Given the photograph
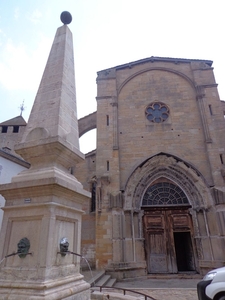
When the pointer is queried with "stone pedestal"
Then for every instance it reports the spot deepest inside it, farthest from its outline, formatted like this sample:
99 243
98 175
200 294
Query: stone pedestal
44 210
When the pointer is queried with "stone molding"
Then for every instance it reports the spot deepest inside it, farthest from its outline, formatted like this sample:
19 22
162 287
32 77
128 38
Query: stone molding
163 166
114 104
156 69
200 97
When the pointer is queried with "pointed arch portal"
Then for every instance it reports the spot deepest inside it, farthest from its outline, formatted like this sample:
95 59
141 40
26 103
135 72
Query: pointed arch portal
167 228
167 192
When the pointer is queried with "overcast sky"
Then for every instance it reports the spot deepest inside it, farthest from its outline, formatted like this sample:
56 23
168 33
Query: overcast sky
106 33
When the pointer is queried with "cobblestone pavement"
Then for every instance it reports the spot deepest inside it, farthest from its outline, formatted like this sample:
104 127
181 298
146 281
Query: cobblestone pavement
162 294
164 289
171 294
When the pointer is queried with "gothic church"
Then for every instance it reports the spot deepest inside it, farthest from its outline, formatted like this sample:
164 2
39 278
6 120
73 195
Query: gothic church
157 175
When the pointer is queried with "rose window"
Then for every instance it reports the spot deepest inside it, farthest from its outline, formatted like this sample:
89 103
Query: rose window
157 112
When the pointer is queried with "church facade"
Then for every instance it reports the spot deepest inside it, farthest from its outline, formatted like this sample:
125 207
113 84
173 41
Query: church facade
157 175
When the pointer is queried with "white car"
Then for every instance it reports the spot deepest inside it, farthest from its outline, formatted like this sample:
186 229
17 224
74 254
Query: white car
212 286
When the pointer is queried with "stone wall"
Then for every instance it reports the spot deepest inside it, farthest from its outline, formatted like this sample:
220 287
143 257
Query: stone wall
187 148
194 133
85 172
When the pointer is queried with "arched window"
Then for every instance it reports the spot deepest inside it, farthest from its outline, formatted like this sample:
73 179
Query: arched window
163 194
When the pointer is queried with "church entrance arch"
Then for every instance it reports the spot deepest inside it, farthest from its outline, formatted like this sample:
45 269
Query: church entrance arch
167 222
168 229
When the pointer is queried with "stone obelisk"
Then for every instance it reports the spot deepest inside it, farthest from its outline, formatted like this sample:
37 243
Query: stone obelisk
44 203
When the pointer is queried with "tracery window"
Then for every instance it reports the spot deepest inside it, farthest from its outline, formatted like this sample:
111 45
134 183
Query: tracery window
163 194
157 112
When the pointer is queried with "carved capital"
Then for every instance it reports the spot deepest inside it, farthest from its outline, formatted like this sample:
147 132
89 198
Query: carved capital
93 180
116 201
105 179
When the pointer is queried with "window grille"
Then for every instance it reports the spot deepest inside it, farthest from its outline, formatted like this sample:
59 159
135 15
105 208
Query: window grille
163 194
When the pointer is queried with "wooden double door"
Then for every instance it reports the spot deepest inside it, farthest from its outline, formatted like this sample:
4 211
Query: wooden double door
168 240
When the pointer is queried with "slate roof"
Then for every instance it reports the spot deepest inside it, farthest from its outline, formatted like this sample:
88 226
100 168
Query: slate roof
14 158
17 121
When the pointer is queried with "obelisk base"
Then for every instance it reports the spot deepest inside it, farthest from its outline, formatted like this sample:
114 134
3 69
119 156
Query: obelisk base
71 288
43 214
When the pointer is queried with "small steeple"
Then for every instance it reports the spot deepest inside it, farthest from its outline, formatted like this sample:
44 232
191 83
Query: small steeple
22 108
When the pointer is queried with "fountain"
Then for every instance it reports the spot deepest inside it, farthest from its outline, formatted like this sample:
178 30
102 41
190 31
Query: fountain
64 245
51 145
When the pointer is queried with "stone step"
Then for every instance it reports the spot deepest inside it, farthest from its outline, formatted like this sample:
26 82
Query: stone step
186 275
96 278
103 280
111 282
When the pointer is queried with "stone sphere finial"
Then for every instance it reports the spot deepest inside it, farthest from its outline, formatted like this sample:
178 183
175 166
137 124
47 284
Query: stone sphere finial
66 17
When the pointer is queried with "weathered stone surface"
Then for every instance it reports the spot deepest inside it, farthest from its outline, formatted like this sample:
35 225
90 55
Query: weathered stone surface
44 203
187 149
